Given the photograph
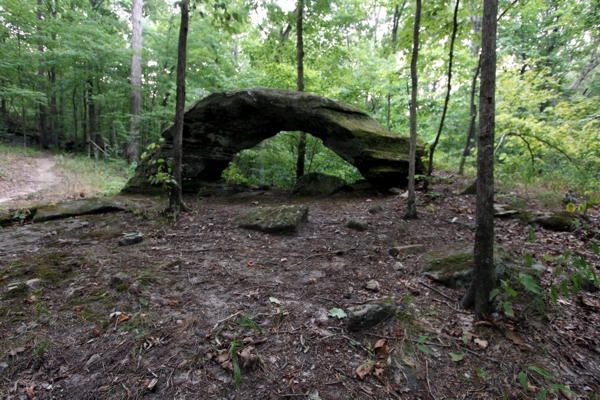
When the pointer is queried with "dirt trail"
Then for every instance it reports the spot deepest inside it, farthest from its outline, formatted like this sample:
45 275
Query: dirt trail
23 176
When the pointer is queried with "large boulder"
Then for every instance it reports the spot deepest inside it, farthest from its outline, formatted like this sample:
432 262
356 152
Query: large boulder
315 184
222 124
284 220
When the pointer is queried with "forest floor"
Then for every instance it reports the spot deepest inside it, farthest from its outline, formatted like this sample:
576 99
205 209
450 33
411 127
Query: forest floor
160 319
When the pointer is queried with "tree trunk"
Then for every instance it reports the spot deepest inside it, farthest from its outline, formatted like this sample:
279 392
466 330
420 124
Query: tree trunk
75 122
483 269
85 145
133 149
411 208
446 100
589 68
300 87
395 24
471 133
175 199
53 110
93 142
42 86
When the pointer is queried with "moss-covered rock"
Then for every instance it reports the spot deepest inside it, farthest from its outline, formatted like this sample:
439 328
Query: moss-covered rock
282 220
222 124
454 267
316 184
368 315
74 208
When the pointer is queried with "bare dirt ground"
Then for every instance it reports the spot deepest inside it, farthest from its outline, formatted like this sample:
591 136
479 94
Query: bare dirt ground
24 176
160 319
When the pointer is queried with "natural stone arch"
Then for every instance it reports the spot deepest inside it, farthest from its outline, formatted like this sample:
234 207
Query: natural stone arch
224 123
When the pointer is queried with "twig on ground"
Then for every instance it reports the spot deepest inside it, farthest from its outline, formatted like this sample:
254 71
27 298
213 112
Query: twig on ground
324 254
428 385
226 319
437 291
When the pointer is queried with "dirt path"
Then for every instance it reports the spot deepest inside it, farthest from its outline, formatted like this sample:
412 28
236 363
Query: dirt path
22 176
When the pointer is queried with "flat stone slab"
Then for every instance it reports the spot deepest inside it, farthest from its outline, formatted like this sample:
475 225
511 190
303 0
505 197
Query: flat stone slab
284 220
409 250
75 208
368 315
315 184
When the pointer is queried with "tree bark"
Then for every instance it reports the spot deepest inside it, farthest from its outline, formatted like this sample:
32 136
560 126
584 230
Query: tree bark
42 86
300 86
446 100
411 208
471 133
395 24
93 143
135 106
589 68
175 199
483 269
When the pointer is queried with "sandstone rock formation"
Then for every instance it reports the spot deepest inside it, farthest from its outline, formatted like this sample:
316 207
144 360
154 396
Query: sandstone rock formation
224 123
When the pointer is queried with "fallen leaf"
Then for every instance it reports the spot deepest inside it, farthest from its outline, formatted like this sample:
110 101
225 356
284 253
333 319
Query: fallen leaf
250 263
481 343
30 392
103 389
379 373
152 384
456 357
248 356
337 312
381 348
364 370
173 303
123 318
531 388
589 303
79 308
515 337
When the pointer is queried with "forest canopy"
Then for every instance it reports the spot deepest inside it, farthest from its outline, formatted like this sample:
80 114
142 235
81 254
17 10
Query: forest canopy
66 77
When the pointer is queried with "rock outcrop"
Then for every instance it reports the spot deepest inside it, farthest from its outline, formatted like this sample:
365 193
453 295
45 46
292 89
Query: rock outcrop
224 123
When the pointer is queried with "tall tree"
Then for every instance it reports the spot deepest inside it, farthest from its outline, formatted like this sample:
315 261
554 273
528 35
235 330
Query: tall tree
300 86
44 142
175 199
446 100
135 106
411 207
478 294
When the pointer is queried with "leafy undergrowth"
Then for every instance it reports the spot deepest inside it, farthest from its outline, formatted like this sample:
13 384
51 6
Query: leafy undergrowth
202 309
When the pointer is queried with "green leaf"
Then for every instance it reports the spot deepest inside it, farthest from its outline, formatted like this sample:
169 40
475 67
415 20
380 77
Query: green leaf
143 301
510 291
274 300
542 372
508 309
595 247
564 288
523 380
494 293
554 293
425 349
570 207
528 260
337 312
456 357
530 284
531 234
561 387
542 395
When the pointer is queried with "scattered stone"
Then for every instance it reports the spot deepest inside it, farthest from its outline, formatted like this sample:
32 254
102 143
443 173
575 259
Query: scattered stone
222 124
402 227
75 208
284 220
396 190
372 285
73 292
471 189
370 314
34 284
376 209
131 238
93 359
119 278
503 210
398 266
559 221
382 237
357 224
317 184
454 267
410 250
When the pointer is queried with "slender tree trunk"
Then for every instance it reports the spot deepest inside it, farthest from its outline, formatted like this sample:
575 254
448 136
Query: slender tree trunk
483 269
133 149
471 133
42 86
589 68
411 208
53 110
395 24
300 87
115 143
85 145
75 121
446 100
93 143
175 200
